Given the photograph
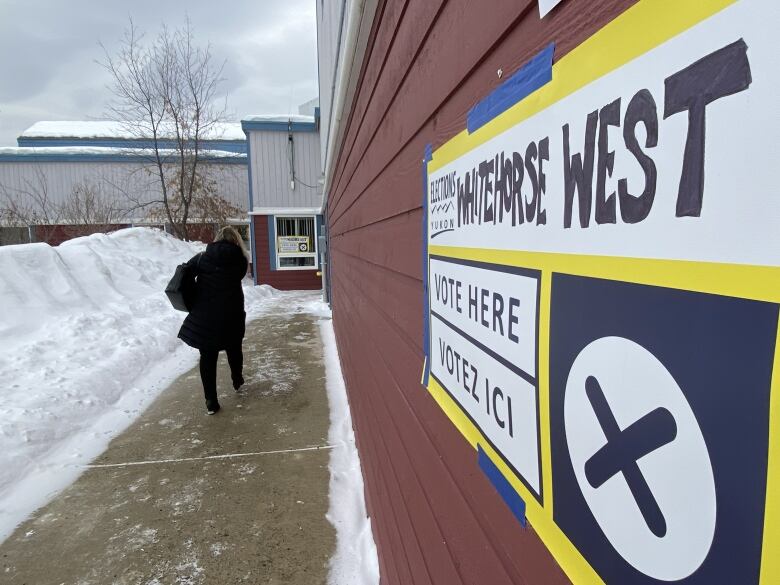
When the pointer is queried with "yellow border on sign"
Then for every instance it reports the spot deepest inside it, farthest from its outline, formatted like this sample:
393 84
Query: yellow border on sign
770 559
642 27
760 283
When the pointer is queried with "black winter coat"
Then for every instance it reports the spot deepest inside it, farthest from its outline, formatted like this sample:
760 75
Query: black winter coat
216 319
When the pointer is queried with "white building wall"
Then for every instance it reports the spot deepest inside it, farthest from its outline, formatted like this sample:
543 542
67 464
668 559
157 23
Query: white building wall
272 172
115 179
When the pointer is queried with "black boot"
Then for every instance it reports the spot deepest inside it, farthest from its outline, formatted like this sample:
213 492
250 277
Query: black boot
212 407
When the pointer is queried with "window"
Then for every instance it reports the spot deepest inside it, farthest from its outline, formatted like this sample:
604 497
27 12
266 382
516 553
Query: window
296 243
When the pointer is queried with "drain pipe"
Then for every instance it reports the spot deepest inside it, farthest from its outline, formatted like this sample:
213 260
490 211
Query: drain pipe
357 8
338 112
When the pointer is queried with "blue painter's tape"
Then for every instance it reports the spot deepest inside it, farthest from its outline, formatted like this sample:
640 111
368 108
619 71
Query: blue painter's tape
502 485
529 78
426 308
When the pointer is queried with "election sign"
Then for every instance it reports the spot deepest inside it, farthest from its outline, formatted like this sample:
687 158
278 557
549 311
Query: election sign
602 295
292 244
484 332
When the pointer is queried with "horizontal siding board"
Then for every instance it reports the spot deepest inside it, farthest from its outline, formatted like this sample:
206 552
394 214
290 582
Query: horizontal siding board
442 64
401 481
435 543
370 243
472 85
412 30
398 293
371 467
395 191
426 68
389 14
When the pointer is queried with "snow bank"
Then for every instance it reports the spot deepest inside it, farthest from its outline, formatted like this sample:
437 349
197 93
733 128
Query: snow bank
355 561
87 341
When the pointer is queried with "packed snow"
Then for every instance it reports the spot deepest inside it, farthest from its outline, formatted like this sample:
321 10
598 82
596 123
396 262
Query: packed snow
87 341
38 151
115 129
297 118
355 561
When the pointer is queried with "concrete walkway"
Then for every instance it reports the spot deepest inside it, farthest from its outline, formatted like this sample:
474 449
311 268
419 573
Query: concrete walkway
181 497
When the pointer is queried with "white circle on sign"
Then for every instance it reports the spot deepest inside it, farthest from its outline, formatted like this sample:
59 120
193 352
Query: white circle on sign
303 247
676 475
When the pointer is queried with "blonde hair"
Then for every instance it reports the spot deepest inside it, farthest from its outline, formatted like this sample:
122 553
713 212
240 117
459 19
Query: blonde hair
230 234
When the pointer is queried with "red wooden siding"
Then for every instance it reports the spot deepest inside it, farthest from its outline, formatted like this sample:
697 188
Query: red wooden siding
279 279
54 235
436 517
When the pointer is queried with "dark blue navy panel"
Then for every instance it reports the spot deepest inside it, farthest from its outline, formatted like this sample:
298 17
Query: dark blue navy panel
426 304
530 77
719 350
503 487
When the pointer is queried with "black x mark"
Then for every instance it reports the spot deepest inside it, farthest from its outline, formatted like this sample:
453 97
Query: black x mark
623 450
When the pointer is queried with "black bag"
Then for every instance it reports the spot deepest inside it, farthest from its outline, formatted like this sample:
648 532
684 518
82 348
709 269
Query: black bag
181 286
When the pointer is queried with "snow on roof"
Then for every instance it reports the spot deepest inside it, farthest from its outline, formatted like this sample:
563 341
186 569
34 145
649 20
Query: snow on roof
297 118
34 151
114 129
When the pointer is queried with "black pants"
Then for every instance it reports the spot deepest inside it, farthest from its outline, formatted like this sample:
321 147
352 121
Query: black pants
208 368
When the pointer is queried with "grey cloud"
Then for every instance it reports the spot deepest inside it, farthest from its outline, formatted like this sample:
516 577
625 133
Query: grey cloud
48 51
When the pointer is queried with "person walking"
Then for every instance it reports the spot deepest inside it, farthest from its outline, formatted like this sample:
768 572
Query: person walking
216 319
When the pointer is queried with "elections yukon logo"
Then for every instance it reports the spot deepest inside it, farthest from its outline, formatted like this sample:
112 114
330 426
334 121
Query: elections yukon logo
659 419
441 205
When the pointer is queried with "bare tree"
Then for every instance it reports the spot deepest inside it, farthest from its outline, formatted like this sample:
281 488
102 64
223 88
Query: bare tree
166 92
87 204
30 205
86 209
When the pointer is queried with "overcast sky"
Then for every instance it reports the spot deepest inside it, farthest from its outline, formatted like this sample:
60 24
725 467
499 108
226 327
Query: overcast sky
48 51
